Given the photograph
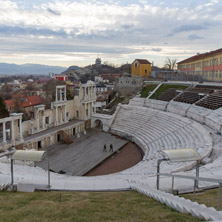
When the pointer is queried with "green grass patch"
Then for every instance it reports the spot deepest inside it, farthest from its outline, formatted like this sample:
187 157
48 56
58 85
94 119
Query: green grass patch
85 206
208 197
165 87
149 88
116 101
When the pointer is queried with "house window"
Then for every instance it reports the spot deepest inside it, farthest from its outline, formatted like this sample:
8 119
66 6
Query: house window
87 112
136 64
47 120
77 114
73 131
145 70
32 115
67 114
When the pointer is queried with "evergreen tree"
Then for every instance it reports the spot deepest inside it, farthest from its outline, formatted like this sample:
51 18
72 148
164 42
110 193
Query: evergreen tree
3 110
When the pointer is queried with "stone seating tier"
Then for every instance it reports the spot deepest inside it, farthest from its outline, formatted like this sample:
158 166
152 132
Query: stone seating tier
168 95
213 101
160 131
188 97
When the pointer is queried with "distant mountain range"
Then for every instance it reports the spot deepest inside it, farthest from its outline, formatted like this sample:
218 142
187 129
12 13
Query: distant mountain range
13 69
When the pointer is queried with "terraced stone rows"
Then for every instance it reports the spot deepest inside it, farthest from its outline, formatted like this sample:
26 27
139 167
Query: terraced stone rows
161 131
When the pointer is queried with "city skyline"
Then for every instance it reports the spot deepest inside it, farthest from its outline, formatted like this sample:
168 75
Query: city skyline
64 33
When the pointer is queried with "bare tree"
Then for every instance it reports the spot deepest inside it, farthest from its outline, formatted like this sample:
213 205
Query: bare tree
170 63
18 101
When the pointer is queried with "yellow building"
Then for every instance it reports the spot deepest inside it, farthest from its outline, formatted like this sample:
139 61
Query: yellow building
141 68
207 65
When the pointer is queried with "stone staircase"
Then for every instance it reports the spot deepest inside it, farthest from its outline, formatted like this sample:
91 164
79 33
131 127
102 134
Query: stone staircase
4 187
154 90
22 187
65 137
179 203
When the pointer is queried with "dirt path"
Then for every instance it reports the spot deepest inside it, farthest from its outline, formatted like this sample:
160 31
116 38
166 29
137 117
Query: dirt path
128 156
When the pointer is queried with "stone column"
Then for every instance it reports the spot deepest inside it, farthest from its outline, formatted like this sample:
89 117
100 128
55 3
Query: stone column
20 130
51 140
61 114
56 117
4 133
56 94
12 132
85 93
84 111
65 119
60 94
37 119
65 94
43 120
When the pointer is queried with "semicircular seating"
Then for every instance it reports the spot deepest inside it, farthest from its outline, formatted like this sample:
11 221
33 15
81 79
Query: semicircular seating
154 131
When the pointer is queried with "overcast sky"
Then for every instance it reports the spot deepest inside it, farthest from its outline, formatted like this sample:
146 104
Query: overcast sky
64 32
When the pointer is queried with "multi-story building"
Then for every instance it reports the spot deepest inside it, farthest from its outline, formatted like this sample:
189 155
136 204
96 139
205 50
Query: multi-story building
61 77
207 65
141 68
48 126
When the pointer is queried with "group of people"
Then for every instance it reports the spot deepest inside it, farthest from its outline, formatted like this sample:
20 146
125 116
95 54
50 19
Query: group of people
110 148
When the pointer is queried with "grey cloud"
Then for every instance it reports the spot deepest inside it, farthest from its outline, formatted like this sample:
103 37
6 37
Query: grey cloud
55 47
16 30
194 37
156 50
188 28
127 26
53 12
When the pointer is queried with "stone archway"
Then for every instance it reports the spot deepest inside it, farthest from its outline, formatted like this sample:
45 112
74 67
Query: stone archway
101 120
98 124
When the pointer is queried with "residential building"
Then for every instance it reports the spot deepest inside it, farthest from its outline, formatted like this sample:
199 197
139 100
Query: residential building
48 126
111 77
141 68
61 77
101 101
207 65
24 104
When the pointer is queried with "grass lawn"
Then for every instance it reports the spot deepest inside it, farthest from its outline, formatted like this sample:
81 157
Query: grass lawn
84 206
208 197
165 87
117 100
145 91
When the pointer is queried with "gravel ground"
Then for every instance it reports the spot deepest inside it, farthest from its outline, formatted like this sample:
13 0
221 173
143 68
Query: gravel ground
128 156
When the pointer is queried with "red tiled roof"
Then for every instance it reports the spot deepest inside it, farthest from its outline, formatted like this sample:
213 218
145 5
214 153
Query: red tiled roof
201 56
32 101
29 101
142 61
9 102
111 74
60 74
102 98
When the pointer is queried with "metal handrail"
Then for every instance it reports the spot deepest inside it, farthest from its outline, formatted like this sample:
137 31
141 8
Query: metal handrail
196 179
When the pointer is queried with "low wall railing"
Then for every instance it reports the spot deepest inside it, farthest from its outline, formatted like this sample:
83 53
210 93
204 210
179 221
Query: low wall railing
196 181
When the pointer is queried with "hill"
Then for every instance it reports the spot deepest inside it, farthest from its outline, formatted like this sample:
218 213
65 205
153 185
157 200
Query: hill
88 72
12 69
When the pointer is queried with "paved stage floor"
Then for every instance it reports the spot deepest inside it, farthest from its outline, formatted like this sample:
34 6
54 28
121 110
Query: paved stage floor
83 154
